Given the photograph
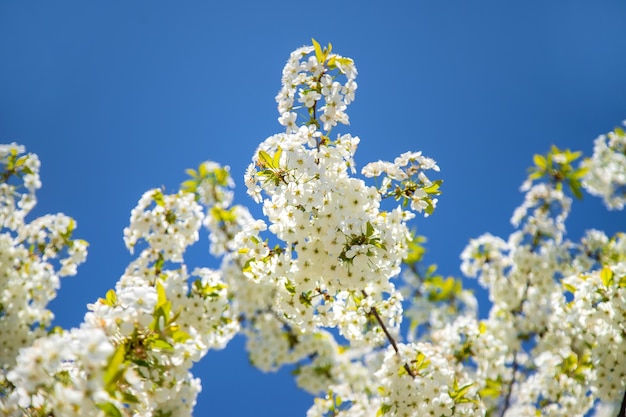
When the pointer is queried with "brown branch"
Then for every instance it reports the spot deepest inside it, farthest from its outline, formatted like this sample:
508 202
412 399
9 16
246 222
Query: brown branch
517 312
507 399
392 341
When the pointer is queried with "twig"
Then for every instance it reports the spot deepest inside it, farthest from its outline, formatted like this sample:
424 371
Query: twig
374 312
507 399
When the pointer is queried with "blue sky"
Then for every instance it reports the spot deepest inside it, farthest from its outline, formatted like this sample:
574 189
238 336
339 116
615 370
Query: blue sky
119 97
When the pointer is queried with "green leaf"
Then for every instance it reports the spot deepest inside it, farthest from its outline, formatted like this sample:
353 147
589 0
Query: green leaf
265 160
247 266
416 249
492 389
54 330
189 186
459 393
223 215
291 289
419 363
606 275
129 398
575 188
384 409
572 156
332 62
433 188
161 294
110 298
157 197
570 288
341 62
203 171
140 362
109 409
160 344
21 161
276 159
540 161
482 327
579 173
318 52
305 299
221 176
369 229
180 336
115 367
162 309
158 264
430 209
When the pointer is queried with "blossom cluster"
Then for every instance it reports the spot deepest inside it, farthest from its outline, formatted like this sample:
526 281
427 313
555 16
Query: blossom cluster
315 284
598 312
310 87
62 374
336 249
33 255
432 388
607 169
133 352
556 325
405 179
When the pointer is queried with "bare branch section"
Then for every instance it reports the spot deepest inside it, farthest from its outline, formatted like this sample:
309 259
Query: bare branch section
391 339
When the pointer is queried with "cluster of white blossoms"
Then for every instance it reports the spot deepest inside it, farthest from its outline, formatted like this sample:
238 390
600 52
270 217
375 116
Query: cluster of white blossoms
313 285
62 374
33 255
543 350
310 88
431 389
331 258
607 169
133 353
406 179
598 312
336 250
160 317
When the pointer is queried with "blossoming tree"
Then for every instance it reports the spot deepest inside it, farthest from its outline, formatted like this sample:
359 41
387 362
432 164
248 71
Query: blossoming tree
323 283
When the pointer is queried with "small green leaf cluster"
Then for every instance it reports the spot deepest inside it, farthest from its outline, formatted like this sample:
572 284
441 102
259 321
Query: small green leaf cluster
217 176
558 169
323 55
459 393
211 184
15 164
271 169
137 350
430 290
366 239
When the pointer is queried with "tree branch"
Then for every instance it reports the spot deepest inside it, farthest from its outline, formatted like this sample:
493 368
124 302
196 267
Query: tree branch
507 399
392 341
